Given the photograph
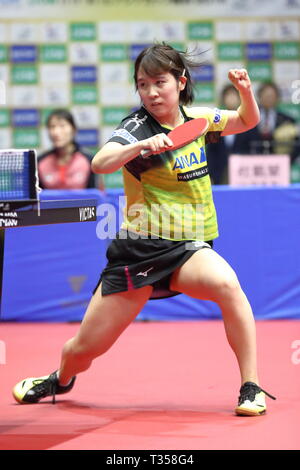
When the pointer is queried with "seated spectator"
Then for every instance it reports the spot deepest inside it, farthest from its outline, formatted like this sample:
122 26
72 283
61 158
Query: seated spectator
276 133
66 165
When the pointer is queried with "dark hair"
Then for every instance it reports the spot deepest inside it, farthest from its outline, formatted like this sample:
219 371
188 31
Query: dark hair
162 57
62 114
265 85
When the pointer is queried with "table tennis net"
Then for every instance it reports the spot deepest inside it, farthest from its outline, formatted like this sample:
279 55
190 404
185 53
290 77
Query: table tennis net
18 175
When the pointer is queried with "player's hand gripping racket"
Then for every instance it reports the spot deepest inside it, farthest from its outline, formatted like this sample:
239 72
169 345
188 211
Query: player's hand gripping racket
183 135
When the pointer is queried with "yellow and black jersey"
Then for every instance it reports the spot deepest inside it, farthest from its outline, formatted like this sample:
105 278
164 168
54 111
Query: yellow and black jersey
169 195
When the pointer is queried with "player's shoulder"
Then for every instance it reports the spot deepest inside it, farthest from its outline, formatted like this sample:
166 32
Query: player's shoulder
133 121
213 115
199 111
133 127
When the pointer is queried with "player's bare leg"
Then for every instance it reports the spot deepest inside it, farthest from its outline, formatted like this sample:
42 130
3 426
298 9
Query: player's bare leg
206 275
105 319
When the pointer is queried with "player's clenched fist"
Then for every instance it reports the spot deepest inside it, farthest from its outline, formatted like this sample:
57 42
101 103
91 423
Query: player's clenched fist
240 79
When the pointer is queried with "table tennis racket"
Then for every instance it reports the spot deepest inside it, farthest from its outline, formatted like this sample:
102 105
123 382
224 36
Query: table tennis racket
183 134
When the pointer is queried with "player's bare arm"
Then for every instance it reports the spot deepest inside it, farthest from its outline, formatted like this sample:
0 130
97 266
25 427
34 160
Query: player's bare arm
247 115
113 155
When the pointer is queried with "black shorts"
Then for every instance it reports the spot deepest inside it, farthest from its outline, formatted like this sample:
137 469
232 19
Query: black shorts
135 263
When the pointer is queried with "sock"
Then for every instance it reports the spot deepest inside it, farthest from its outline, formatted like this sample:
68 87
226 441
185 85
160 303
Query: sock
62 385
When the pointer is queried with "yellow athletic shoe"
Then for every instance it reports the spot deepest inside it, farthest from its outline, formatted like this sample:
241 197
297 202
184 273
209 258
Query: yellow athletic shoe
252 400
32 390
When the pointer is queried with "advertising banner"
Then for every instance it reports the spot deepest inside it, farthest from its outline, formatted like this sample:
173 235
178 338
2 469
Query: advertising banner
79 54
268 170
143 9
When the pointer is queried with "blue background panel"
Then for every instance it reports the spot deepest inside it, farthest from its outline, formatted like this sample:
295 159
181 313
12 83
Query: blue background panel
50 271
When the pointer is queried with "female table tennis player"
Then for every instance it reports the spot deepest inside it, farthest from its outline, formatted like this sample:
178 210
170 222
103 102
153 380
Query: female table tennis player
145 260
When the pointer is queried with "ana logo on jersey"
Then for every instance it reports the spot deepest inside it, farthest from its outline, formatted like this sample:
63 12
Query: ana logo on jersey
187 161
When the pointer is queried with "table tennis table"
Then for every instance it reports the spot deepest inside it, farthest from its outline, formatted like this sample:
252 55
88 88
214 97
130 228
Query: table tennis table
14 214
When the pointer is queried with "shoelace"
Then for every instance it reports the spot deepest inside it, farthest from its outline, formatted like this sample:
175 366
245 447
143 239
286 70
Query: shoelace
45 387
249 390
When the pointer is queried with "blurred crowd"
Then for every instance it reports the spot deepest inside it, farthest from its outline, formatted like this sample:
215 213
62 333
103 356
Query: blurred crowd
277 133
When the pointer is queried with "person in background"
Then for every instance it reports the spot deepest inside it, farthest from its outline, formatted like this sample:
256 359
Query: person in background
276 133
218 153
66 165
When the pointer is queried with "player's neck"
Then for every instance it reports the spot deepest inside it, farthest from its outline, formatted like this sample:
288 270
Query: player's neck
172 119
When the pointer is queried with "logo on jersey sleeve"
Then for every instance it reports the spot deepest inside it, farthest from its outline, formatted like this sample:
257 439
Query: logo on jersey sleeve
130 126
217 117
125 135
136 121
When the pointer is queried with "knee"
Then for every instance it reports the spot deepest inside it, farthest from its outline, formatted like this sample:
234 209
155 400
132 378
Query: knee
227 289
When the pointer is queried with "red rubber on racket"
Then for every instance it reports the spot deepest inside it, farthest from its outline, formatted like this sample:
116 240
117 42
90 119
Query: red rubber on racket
183 135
